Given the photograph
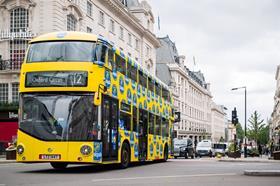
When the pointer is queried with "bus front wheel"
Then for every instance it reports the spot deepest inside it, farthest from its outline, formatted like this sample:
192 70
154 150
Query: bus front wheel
59 165
125 156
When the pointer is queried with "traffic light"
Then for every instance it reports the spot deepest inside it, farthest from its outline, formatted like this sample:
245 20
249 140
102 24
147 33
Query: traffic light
234 118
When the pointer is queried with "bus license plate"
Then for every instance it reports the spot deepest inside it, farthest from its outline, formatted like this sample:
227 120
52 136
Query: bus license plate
50 156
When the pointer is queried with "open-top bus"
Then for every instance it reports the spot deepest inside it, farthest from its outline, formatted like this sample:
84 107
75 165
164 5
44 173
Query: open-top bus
83 101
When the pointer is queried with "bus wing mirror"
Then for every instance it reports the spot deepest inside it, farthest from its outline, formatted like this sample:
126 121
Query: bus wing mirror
97 98
177 117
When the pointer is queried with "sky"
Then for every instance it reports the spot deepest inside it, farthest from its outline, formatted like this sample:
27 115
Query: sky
235 43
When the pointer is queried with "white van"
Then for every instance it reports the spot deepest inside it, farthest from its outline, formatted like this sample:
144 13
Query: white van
204 148
219 148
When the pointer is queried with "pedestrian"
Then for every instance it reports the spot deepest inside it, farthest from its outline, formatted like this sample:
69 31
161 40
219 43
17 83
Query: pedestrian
260 150
271 149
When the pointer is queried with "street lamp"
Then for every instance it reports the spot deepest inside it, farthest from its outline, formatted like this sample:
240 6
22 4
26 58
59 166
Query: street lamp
245 131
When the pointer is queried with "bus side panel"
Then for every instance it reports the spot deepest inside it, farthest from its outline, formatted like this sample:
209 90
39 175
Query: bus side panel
134 146
151 148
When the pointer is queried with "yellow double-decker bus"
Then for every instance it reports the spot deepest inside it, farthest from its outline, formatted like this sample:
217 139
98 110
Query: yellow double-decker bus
83 101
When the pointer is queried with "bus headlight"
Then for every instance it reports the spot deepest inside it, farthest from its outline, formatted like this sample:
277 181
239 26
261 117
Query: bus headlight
86 150
20 149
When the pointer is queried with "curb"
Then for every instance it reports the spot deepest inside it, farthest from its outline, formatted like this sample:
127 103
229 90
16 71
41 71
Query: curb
250 161
7 161
262 172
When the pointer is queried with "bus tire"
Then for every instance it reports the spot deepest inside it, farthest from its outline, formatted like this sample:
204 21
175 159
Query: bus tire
125 156
165 155
59 165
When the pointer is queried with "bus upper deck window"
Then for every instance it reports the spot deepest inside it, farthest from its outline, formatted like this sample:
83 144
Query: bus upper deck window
111 63
100 53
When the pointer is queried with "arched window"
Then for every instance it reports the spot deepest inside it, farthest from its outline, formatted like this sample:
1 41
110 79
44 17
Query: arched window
71 23
19 20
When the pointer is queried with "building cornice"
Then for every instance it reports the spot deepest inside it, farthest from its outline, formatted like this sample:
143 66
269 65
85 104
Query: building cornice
176 67
218 110
132 20
19 3
195 84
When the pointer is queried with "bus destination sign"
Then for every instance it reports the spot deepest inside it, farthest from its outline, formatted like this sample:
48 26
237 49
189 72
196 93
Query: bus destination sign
56 79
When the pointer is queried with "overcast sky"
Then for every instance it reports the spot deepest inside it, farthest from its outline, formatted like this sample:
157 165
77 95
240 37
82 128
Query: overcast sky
235 43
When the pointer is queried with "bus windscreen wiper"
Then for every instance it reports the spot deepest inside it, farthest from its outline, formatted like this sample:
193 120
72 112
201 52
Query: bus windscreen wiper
59 58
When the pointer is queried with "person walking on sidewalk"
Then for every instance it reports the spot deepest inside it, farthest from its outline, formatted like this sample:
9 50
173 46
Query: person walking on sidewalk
260 149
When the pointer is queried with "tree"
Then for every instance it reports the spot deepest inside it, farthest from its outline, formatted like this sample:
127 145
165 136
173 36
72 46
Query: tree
264 135
255 127
239 132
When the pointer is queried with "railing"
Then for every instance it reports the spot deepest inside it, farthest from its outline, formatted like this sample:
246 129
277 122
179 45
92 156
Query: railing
10 64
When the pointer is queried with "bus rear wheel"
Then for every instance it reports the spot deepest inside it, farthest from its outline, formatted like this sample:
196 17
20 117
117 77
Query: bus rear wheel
125 156
59 165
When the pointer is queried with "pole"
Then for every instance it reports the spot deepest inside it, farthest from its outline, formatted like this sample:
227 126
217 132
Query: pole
245 131
235 144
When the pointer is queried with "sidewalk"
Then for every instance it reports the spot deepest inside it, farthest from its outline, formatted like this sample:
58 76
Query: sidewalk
263 159
3 160
262 172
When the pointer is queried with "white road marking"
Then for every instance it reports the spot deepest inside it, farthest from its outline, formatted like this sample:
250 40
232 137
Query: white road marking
162 177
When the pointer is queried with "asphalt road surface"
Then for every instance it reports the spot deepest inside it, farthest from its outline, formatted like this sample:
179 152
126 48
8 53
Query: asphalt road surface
198 172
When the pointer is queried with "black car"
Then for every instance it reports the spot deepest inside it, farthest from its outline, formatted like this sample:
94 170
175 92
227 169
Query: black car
183 148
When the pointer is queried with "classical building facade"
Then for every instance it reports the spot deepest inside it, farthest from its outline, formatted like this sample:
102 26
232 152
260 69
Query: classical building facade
126 23
218 126
230 132
192 96
274 124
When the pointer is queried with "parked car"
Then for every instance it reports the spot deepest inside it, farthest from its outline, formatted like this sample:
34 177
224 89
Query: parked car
204 148
183 148
219 148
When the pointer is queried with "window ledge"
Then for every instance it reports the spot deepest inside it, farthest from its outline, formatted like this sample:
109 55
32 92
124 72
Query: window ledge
89 16
112 33
102 25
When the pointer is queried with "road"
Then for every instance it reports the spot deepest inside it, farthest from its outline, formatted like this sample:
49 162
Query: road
198 172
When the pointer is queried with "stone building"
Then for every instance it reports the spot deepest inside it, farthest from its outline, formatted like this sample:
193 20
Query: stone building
126 23
230 132
274 124
192 96
218 122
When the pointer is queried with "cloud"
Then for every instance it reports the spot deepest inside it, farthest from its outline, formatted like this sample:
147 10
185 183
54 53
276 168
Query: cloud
235 43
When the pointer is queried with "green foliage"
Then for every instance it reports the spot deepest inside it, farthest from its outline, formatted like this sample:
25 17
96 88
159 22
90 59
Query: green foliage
253 152
9 106
231 147
239 132
264 135
255 127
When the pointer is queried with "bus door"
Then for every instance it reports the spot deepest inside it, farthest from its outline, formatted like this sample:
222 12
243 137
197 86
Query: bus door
109 128
143 134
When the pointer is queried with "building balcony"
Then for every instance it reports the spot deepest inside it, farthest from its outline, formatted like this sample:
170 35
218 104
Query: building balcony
8 65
